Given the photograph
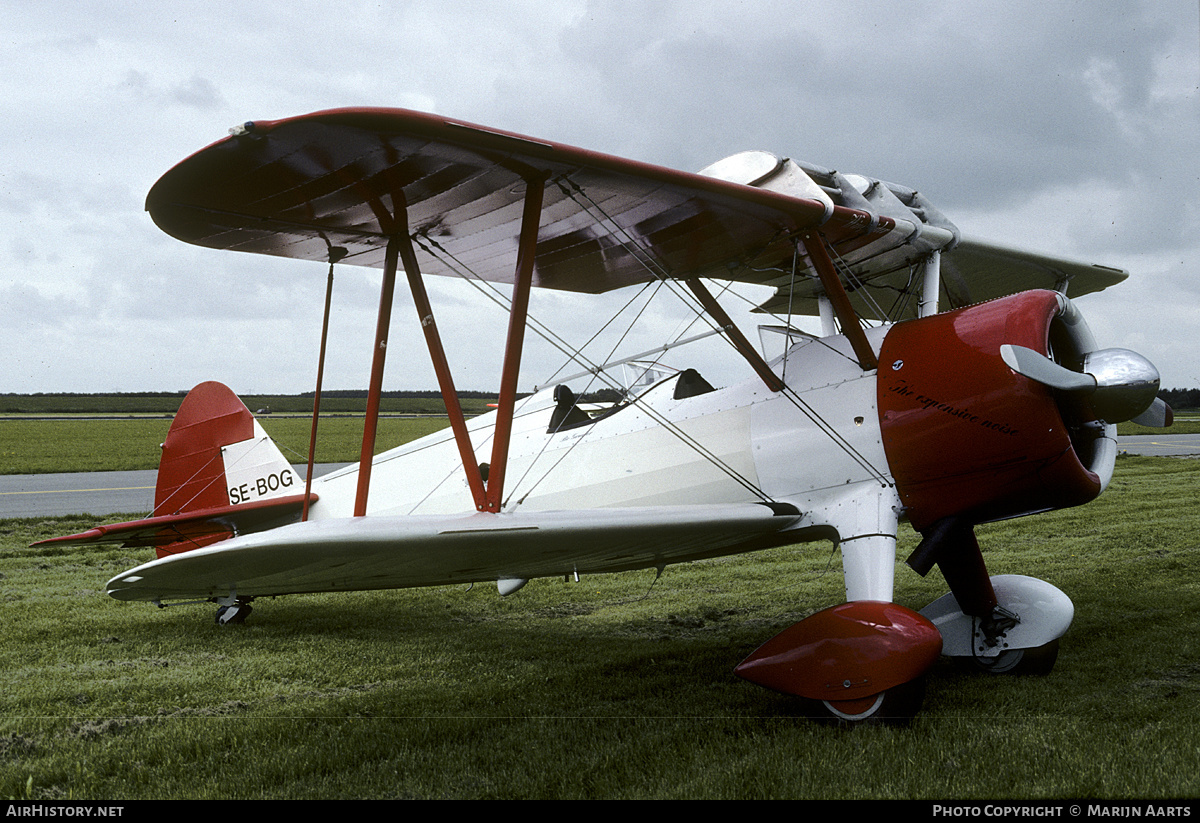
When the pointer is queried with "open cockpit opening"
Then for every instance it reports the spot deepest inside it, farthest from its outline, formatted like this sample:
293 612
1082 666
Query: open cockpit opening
569 414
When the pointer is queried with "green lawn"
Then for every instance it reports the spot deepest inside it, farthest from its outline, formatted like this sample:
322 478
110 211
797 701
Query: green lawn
614 687
38 446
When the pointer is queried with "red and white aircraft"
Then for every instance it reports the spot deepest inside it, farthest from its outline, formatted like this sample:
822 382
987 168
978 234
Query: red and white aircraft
974 393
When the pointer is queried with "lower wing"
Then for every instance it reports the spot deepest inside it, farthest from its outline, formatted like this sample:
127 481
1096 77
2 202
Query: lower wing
399 552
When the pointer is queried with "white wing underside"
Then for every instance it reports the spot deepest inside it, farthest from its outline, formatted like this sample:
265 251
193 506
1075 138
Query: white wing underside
391 552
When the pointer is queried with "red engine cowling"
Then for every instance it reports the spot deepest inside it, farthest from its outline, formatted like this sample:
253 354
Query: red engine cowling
967 436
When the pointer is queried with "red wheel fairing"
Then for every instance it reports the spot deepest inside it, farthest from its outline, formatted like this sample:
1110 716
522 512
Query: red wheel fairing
850 652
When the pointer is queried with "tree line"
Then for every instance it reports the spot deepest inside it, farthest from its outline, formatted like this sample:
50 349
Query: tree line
1181 398
339 399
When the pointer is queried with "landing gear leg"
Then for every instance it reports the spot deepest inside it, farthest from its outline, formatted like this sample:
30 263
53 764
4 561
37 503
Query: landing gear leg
953 546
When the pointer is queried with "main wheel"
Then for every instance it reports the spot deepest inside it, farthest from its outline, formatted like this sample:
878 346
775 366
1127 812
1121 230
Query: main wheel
1035 661
897 705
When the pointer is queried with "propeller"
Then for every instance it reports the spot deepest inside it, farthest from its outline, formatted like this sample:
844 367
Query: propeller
1158 416
1122 384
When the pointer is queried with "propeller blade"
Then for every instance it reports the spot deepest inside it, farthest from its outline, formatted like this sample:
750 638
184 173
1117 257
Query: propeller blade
1041 368
1159 415
1121 384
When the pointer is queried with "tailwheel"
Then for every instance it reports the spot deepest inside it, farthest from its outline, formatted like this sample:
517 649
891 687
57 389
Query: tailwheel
896 706
1035 661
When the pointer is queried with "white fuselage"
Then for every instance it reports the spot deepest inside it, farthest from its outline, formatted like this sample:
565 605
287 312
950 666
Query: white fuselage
816 445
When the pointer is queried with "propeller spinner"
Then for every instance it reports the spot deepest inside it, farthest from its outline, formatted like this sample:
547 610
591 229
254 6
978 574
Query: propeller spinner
1122 384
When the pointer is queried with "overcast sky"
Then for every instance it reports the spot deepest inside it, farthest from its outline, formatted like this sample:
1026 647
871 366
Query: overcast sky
1069 127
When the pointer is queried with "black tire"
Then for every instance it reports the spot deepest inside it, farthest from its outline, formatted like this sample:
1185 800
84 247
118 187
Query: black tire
1036 661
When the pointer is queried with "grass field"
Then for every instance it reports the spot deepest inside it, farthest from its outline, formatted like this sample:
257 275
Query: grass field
167 403
80 433
39 446
35 446
614 687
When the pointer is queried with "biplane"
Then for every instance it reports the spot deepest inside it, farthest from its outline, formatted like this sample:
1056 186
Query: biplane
952 383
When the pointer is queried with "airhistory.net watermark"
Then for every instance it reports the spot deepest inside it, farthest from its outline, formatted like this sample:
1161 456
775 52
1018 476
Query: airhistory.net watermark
61 810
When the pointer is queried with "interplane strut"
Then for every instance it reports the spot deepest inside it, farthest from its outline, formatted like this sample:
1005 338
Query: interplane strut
527 248
375 389
487 496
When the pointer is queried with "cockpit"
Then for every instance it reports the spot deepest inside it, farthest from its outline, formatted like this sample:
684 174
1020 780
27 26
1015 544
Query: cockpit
571 413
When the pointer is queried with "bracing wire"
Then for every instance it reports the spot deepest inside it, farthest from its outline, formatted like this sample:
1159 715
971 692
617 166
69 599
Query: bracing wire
659 272
493 293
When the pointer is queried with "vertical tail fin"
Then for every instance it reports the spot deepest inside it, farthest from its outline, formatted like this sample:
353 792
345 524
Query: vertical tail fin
216 455
219 466
220 475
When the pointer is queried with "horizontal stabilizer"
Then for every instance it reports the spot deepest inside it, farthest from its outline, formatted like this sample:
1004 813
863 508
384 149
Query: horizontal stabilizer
195 528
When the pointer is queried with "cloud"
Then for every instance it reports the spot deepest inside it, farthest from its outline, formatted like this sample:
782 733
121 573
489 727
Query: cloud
194 92
1071 127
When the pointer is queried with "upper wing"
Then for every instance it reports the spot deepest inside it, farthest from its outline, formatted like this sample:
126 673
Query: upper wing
301 186
396 552
975 271
883 278
971 272
338 183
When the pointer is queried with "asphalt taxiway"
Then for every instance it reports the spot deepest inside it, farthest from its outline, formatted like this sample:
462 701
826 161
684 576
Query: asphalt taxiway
107 493
97 493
